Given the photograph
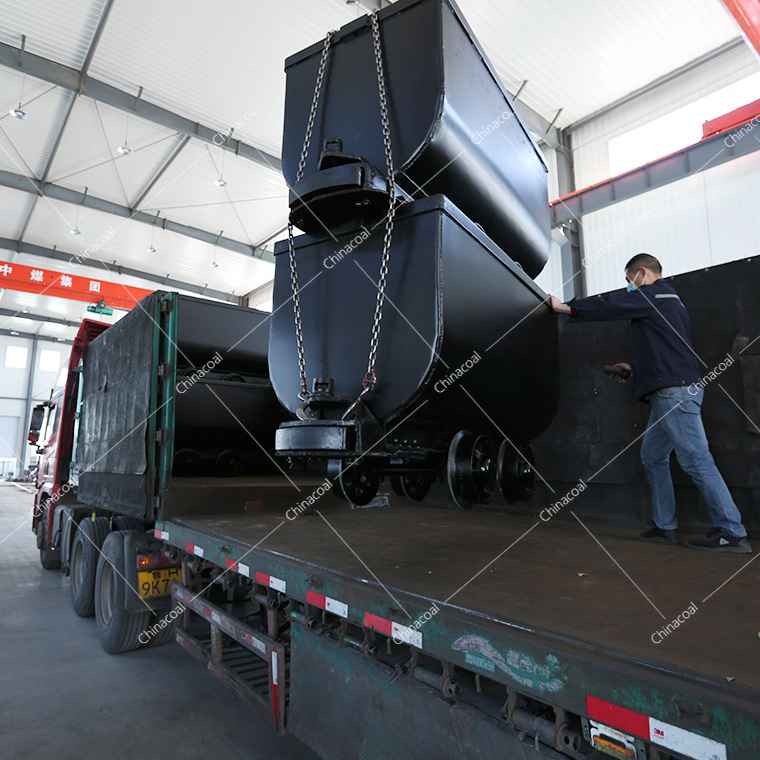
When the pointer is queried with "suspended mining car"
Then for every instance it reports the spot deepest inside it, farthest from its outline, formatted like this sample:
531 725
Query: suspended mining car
417 344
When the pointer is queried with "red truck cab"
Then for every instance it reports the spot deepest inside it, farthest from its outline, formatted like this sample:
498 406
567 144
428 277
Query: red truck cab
52 430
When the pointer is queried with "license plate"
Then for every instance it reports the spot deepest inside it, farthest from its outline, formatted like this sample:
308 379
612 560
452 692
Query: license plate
157 582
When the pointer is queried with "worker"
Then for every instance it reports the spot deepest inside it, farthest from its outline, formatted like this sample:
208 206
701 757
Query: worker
667 377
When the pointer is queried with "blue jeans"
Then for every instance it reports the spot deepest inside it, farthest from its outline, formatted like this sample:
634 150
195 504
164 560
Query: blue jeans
675 422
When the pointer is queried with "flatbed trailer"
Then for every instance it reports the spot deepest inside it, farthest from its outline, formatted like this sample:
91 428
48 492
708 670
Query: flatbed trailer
533 628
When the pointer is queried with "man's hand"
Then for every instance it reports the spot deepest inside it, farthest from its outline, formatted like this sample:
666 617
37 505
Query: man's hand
558 307
622 365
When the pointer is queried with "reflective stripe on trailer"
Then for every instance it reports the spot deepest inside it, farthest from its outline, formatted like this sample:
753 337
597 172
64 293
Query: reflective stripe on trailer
238 567
193 549
270 581
671 737
162 534
326 603
400 633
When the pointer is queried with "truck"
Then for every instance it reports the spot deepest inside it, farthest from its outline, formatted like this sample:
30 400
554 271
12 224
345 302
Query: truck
418 607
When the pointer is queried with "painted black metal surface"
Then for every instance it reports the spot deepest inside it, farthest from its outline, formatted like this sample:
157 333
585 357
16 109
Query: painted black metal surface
453 297
453 128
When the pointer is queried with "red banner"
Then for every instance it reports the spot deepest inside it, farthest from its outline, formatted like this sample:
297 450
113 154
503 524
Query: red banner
59 285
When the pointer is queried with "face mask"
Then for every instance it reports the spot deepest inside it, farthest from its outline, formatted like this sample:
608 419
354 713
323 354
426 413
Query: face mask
632 285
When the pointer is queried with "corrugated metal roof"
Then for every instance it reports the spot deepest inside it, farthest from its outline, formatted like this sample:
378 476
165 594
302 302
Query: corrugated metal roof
25 145
219 66
581 56
60 30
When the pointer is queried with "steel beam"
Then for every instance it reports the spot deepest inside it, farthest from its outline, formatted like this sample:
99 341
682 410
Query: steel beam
33 336
37 318
71 79
56 192
102 21
165 282
706 154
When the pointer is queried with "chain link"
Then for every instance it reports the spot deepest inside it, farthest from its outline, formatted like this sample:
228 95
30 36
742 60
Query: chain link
304 393
370 379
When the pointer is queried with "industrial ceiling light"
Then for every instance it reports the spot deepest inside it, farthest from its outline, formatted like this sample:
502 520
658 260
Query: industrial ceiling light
213 261
124 150
19 113
221 182
75 229
151 248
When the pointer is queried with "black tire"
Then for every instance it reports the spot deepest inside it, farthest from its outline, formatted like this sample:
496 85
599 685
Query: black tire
85 552
50 559
124 522
118 629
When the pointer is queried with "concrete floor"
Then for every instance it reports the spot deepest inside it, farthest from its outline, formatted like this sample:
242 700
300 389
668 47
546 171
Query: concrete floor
63 697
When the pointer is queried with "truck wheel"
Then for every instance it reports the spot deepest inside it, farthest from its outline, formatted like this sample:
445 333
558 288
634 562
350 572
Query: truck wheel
124 522
50 559
118 629
164 635
84 563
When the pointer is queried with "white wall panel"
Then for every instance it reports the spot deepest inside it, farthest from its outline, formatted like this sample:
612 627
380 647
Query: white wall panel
590 143
704 220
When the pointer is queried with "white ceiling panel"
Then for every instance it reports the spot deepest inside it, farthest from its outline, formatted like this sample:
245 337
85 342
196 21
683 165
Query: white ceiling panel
217 65
251 207
583 55
14 208
126 242
60 30
26 144
88 155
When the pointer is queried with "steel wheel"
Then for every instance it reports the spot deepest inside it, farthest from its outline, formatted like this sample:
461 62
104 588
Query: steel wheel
517 476
472 469
357 483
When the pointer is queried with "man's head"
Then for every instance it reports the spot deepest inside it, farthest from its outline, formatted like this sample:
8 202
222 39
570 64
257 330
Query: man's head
643 269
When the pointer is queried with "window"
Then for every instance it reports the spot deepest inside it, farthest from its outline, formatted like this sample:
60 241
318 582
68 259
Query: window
15 357
679 128
50 361
265 305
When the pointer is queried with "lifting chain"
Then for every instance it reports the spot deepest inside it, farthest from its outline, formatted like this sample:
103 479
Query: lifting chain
304 392
370 378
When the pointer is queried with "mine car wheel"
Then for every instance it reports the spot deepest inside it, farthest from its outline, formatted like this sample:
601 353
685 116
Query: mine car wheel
358 483
186 463
472 469
413 487
517 476
229 464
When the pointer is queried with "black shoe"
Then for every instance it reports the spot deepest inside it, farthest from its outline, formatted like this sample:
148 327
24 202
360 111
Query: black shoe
719 541
661 536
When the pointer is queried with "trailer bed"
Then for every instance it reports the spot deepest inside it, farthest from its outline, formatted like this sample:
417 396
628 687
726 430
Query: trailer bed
571 608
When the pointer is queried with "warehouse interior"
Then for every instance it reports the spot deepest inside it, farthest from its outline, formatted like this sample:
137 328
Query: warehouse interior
141 150
198 200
